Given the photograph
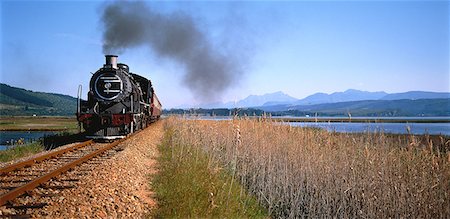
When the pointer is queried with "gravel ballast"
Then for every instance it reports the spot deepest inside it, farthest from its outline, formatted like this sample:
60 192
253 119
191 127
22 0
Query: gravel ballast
118 187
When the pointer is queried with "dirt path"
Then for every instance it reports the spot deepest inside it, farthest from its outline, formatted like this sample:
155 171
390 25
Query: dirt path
117 188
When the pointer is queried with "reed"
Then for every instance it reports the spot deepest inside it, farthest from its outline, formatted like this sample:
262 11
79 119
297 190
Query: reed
188 185
303 172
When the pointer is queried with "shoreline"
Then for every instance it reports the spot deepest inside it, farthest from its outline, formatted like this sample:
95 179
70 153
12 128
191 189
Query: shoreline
34 129
361 120
437 119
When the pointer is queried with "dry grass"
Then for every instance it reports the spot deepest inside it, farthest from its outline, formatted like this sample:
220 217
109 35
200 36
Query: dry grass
188 186
302 172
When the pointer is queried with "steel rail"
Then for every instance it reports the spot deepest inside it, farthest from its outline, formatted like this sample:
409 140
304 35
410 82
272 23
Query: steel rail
42 158
35 183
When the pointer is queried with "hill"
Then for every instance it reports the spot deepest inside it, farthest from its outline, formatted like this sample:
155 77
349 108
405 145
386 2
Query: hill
280 98
20 102
336 97
404 107
415 95
357 95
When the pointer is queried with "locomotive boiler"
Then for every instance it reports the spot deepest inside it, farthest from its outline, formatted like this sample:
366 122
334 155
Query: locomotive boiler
119 102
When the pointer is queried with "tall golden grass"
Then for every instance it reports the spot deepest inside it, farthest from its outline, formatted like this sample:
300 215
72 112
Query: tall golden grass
304 172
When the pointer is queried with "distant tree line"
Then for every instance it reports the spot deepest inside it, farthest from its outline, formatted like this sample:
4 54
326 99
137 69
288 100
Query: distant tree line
216 112
392 112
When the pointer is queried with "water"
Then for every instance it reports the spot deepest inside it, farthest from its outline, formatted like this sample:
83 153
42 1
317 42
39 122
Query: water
6 137
431 118
394 128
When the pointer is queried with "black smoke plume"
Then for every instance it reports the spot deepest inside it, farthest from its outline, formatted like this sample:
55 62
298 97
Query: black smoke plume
208 71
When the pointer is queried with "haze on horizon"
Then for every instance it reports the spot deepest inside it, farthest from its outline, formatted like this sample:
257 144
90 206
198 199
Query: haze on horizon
300 47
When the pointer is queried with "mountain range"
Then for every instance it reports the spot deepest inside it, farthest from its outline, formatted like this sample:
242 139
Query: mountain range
350 102
281 99
402 107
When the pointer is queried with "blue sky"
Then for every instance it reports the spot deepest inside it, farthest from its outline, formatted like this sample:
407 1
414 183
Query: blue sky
298 47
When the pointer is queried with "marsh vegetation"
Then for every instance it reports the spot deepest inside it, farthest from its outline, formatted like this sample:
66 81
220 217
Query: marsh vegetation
309 172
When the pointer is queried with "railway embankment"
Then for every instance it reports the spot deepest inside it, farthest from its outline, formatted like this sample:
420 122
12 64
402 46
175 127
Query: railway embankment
118 187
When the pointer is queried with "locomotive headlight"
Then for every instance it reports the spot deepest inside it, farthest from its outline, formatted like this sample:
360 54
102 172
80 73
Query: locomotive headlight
108 86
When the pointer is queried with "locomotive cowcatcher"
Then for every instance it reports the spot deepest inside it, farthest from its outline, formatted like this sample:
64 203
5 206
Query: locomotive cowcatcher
119 102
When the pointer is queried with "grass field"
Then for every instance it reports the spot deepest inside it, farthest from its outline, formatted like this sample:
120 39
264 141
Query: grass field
18 123
303 172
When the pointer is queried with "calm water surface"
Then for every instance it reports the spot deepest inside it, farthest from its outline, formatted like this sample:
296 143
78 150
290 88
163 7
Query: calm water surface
394 128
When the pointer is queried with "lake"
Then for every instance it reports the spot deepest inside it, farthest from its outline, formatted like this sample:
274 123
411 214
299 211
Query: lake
421 127
7 136
394 128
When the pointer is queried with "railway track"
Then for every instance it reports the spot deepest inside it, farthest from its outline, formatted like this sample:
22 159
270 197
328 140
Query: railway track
27 185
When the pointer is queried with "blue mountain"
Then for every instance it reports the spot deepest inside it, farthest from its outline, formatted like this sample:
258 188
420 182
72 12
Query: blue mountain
336 97
281 101
416 95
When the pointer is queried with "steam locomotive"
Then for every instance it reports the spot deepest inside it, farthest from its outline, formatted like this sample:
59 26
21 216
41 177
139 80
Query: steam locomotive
119 102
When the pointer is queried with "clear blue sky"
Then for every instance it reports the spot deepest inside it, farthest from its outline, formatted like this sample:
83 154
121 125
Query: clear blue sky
298 47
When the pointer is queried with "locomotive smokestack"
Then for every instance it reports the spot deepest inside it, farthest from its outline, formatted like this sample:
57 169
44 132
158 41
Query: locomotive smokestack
111 61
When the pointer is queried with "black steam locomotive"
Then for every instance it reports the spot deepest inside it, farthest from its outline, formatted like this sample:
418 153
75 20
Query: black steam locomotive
119 102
